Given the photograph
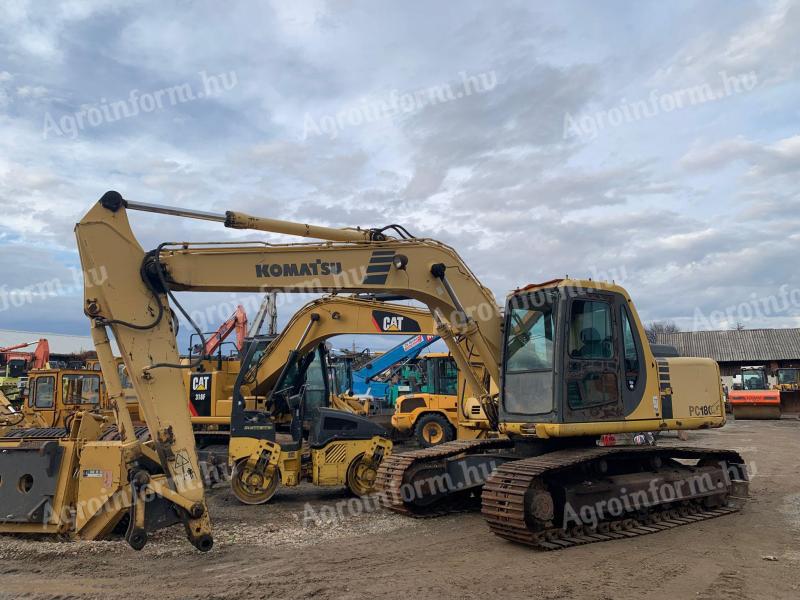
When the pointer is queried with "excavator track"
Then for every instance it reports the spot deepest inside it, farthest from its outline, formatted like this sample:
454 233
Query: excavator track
519 489
396 469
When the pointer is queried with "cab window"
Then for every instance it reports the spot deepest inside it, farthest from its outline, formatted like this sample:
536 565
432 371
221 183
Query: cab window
315 388
80 389
754 380
529 352
530 341
591 376
16 368
44 392
787 376
446 377
631 351
590 334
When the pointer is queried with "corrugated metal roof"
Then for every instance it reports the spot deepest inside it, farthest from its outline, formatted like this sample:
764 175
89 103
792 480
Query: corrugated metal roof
756 345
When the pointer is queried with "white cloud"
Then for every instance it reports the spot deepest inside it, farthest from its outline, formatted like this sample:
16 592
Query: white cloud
765 40
778 158
683 204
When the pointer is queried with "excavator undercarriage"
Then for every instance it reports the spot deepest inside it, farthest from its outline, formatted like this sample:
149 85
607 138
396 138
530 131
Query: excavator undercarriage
566 497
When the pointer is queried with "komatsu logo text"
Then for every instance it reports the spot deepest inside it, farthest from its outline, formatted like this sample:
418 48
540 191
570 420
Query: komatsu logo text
309 269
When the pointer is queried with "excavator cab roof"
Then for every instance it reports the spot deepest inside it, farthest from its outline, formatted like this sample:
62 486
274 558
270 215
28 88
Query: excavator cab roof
573 284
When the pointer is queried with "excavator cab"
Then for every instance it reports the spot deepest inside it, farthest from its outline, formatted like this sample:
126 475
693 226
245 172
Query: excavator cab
586 337
576 360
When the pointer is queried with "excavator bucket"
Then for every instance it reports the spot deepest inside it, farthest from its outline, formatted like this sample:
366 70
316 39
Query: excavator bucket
755 404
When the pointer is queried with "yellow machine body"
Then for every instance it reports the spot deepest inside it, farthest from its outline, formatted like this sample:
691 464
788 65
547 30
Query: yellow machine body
71 485
678 394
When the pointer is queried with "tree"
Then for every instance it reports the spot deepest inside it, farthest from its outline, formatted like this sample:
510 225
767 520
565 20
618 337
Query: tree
739 326
655 328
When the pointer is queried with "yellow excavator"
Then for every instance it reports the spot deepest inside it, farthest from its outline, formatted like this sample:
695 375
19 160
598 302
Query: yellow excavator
561 370
211 390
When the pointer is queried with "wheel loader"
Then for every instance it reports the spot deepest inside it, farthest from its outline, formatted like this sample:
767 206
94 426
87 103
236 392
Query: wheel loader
560 370
429 409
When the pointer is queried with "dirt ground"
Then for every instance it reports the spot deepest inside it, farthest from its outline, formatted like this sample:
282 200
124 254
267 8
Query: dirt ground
277 551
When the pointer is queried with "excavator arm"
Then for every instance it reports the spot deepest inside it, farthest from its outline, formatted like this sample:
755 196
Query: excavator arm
236 322
134 304
144 327
331 316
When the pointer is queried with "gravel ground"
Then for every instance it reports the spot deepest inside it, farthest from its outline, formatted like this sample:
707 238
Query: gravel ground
296 547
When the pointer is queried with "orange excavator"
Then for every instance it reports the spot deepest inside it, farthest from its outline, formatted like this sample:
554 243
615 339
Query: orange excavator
238 323
38 358
14 366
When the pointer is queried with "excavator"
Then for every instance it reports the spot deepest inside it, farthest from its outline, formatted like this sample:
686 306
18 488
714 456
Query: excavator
311 326
560 370
14 366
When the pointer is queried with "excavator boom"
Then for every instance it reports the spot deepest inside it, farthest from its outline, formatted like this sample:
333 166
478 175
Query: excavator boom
16 347
332 316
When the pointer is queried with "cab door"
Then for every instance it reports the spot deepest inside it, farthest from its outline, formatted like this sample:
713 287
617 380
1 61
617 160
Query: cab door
592 375
42 400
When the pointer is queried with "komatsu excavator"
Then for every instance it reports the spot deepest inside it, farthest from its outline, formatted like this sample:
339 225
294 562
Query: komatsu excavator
565 366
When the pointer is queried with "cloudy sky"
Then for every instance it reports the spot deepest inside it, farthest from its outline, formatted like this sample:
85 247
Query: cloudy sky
654 143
